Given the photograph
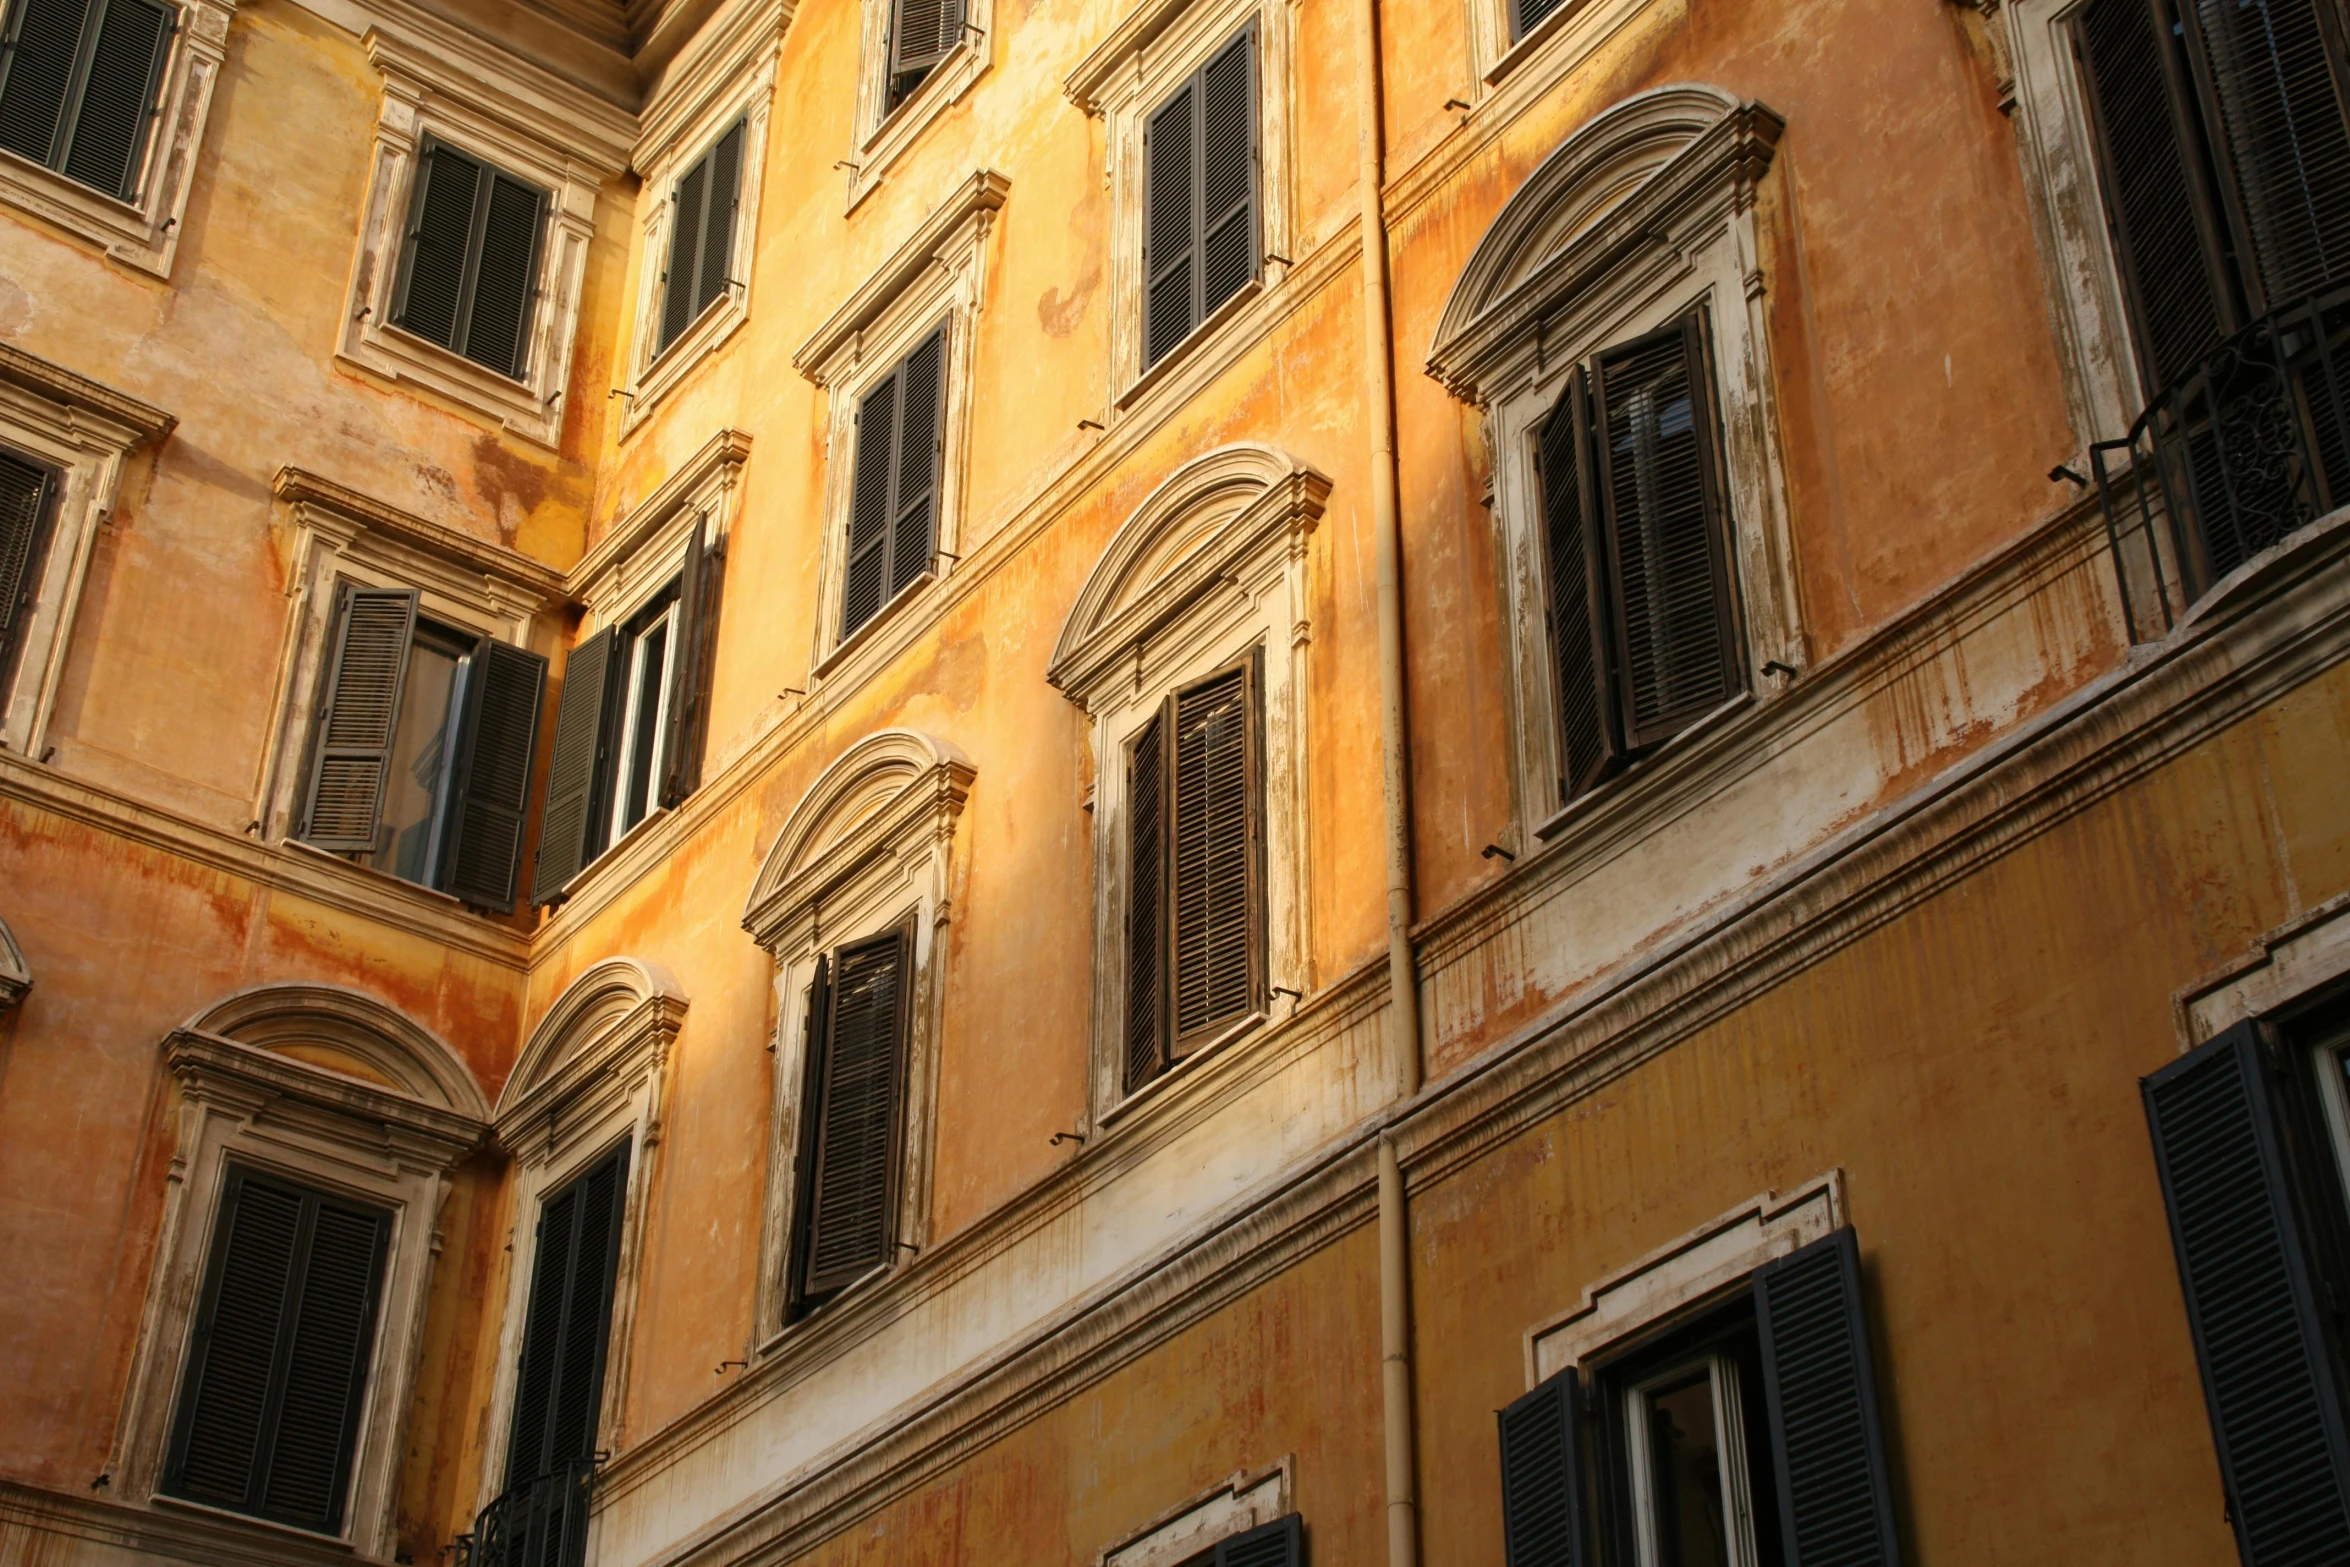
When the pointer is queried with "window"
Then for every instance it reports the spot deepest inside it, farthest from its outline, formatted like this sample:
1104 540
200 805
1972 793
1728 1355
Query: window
704 205
893 509
1200 197
469 269
631 722
421 759
917 58
277 1371
1740 1434
1643 625
79 80
27 493
1194 921
852 1109
1244 1522
921 34
559 1384
2248 1139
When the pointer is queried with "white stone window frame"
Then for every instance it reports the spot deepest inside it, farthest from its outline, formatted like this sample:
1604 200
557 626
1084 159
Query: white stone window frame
727 73
1211 567
593 1075
1147 57
1549 51
882 133
144 232
242 1100
342 537
936 277
1246 1501
528 124
869 848
1638 218
84 432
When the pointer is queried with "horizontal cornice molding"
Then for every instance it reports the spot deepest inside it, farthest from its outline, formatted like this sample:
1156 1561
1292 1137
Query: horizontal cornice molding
426 54
320 496
163 1533
122 419
982 192
211 1066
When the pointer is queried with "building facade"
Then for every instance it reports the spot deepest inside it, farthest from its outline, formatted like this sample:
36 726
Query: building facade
1170 782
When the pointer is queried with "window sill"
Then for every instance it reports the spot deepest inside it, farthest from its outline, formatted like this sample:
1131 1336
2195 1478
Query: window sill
289 1531
864 1283
1547 29
843 650
402 357
902 126
1188 350
439 901
1611 789
612 853
679 360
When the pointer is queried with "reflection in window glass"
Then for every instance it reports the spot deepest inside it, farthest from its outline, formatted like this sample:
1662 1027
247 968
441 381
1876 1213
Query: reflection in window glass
644 715
1685 1474
408 842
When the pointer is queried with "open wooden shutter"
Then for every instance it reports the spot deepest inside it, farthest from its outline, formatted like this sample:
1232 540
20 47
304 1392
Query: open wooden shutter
1228 249
687 221
359 709
37 57
430 297
920 427
1667 534
1146 903
816 1035
1542 1476
1575 550
498 734
852 1195
921 33
277 1367
1170 230
2257 1297
1280 1543
865 577
558 1388
1835 1501
505 275
699 589
24 508
118 97
1214 859
721 202
569 835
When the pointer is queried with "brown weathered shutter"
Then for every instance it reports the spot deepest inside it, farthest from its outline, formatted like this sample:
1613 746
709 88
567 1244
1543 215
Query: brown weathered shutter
505 275
1673 614
1280 1543
721 202
559 1385
699 588
24 512
1228 248
37 57
570 832
1575 551
278 1360
1526 15
359 710
123 78
497 746
429 296
1542 1476
686 233
921 33
1146 900
815 1036
852 1194
1170 229
1214 862
1835 1500
920 431
865 577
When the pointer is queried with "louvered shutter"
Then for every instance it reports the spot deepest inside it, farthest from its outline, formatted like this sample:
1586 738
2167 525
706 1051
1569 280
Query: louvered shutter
699 588
359 710
505 280
1280 1543
852 1195
687 221
37 56
430 298
559 1385
24 508
2257 1293
1228 247
498 733
1146 897
1526 15
1214 866
1575 552
277 1364
124 76
815 1037
1542 1476
1835 1501
920 426
569 835
1170 283
1666 535
721 201
921 33
865 577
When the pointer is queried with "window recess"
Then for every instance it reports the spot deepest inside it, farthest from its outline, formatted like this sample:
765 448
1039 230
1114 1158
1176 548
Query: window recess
922 33
893 504
79 85
705 204
469 265
852 1108
1201 197
28 496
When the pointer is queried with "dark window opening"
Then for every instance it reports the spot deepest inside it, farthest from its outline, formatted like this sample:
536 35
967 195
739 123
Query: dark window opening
28 506
80 82
859 1017
1201 198
705 206
469 263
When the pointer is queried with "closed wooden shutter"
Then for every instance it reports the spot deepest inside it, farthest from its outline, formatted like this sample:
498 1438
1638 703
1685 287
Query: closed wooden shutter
1169 248
1200 197
359 710
559 1385
37 57
1146 899
24 512
430 298
505 281
1667 534
469 264
865 577
721 203
118 96
498 733
1526 15
1214 859
687 221
852 1195
1575 551
1835 1500
1542 1476
921 33
2253 1266
700 586
893 501
570 834
277 1366
1280 1543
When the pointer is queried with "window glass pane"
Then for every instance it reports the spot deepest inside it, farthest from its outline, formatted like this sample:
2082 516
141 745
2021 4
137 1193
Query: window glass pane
645 714
420 762
1685 1470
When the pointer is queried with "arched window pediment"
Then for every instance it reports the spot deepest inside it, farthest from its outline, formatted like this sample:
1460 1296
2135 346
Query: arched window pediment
337 1029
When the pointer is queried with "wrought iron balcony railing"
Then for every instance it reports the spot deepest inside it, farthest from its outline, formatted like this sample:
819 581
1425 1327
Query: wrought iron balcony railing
539 1523
2250 446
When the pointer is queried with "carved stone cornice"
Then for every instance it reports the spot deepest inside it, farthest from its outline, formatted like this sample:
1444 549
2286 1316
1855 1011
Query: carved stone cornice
214 1069
124 421
606 1036
953 229
336 508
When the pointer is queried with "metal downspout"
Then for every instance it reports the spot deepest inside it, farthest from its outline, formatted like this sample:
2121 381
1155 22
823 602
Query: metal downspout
1403 1008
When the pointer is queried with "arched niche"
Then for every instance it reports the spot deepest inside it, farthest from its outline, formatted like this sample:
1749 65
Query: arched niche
351 1032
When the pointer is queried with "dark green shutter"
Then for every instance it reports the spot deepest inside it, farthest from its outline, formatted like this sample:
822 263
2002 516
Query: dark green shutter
277 1365
1213 868
430 298
1146 896
1542 1476
1835 1500
497 328
699 589
686 224
24 512
469 265
720 206
2253 1266
1280 1543
124 77
1575 552
921 34
559 1385
1667 533
497 746
851 1199
920 431
37 57
358 714
1200 219
571 831
1169 251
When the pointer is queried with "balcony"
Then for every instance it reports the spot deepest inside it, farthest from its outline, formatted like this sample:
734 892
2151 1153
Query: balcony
2250 446
539 1523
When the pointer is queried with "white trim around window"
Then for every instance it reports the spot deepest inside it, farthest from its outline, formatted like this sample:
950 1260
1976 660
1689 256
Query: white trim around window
883 133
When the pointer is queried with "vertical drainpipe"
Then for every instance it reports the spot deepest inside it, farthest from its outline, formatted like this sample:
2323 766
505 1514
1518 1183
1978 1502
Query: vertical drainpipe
1403 1008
